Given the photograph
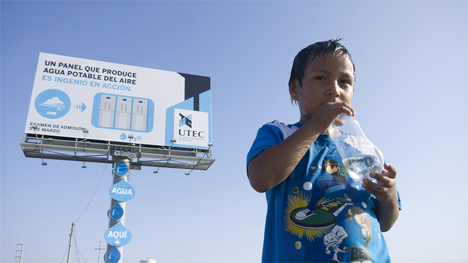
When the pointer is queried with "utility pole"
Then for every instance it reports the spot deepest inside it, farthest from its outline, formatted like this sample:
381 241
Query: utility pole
69 246
21 256
99 256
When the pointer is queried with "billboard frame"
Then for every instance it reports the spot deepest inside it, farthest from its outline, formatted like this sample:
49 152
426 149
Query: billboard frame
160 106
99 151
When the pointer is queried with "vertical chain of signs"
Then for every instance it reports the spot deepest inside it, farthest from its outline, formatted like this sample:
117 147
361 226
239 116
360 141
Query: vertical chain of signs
118 235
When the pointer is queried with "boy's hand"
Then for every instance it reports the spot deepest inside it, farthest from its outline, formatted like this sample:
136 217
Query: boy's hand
387 209
328 113
385 188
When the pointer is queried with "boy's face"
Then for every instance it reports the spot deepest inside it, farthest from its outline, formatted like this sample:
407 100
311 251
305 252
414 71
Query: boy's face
325 80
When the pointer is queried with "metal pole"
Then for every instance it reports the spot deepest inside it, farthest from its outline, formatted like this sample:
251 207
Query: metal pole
99 256
21 256
69 246
112 222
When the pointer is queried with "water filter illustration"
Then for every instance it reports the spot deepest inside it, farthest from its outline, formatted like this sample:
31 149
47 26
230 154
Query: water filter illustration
123 113
107 111
140 113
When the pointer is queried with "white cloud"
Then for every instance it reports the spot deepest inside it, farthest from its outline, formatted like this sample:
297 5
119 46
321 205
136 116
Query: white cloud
52 102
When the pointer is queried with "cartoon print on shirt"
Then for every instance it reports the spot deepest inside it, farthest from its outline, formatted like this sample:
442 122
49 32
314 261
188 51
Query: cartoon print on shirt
360 255
314 216
364 220
333 239
323 216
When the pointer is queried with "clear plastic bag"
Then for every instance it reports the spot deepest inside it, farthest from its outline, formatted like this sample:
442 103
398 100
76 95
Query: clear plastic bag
359 155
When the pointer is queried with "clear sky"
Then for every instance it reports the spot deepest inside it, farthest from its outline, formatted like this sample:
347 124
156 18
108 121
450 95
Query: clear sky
410 98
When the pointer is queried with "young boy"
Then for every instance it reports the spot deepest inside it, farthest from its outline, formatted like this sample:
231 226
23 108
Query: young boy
316 212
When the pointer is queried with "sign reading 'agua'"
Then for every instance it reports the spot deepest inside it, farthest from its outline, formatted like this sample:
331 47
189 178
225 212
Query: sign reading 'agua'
122 191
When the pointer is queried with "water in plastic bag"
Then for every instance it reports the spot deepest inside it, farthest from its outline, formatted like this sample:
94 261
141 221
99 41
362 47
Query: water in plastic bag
359 155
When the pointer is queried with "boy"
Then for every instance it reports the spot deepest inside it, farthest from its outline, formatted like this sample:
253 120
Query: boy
316 212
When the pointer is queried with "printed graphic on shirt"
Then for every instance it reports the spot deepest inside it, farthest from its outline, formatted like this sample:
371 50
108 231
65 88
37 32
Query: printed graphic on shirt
315 215
312 216
363 219
333 240
360 255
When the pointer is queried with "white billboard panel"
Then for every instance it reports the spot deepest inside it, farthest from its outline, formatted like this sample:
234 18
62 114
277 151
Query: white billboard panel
113 100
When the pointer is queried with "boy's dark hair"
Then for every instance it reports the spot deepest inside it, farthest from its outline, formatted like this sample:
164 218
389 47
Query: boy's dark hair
306 55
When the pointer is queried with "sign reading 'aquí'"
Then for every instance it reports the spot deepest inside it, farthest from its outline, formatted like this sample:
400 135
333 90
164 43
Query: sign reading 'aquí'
118 235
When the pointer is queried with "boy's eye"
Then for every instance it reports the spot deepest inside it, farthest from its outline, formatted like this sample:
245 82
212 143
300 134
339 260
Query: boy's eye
320 78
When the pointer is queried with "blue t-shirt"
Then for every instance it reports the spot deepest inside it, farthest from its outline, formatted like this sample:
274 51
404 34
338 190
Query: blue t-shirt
318 214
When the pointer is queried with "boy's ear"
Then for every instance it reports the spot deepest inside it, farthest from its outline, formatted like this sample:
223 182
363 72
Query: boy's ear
293 89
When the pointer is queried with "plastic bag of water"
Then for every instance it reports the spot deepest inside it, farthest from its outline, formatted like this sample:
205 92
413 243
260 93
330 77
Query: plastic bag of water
359 155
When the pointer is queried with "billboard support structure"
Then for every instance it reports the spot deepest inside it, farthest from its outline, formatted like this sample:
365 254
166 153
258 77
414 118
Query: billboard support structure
122 204
35 133
86 150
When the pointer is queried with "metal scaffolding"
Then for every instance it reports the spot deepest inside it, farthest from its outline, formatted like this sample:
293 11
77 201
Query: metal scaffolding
86 150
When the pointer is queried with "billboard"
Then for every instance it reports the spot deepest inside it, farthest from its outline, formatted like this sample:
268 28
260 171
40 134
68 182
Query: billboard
113 101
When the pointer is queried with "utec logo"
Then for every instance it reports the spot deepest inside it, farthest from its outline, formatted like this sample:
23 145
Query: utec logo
187 121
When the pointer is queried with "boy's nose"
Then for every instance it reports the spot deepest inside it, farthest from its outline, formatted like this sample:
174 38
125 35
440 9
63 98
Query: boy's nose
334 90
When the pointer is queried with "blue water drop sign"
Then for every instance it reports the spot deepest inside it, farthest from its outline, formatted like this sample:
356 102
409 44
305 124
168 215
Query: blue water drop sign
123 136
117 235
113 256
52 103
122 191
121 169
116 212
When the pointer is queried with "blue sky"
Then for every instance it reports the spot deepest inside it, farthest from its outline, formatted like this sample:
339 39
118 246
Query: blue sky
410 98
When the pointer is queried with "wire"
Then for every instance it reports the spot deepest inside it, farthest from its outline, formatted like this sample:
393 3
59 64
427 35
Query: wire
8 243
9 236
78 253
66 248
7 252
103 172
82 256
76 247
92 197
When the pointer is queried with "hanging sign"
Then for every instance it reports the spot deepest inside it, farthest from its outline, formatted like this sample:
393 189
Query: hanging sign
122 191
121 169
116 212
113 256
117 235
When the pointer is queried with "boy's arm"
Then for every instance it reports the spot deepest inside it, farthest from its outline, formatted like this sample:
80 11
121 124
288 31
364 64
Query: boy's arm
387 210
272 166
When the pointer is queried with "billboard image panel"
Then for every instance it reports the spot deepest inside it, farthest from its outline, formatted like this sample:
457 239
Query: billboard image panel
113 100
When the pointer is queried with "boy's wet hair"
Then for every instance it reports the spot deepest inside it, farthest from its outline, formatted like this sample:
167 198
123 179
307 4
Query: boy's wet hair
306 55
